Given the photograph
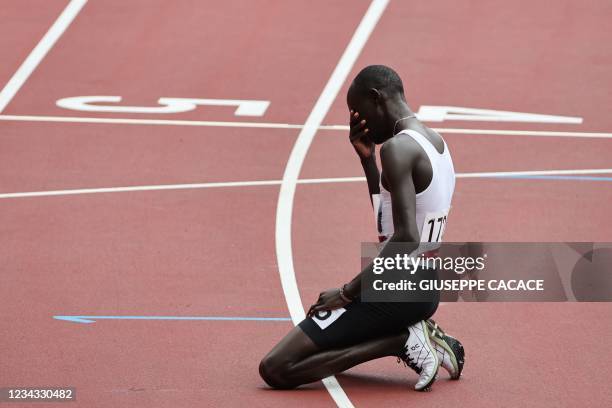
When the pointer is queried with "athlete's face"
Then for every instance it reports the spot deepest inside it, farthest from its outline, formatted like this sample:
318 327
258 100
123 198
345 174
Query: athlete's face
370 107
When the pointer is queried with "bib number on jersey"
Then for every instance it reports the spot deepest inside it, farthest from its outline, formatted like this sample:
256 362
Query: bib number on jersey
433 226
325 318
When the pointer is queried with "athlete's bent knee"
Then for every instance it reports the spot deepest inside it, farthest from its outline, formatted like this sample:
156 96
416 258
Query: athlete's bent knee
274 373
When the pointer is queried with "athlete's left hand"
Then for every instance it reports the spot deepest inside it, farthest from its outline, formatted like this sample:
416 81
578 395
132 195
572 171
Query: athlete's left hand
328 300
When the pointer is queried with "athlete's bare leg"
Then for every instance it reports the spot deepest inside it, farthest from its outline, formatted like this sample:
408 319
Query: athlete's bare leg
296 360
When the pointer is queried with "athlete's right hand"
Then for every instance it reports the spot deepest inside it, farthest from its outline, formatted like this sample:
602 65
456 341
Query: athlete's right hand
329 299
358 136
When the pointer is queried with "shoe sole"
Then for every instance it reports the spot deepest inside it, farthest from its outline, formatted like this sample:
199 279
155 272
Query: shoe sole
427 386
451 345
458 354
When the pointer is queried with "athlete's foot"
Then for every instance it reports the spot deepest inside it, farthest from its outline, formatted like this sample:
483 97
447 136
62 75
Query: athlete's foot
448 349
420 355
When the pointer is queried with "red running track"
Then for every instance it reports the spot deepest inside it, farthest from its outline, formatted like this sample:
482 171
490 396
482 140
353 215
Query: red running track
210 252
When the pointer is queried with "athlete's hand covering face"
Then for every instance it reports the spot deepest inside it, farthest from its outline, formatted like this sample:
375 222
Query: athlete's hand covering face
358 136
328 300
370 104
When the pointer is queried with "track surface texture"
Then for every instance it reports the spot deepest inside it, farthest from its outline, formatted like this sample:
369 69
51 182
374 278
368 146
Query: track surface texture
210 249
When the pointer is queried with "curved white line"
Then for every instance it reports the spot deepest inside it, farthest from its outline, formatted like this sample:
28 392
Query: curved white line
40 51
284 209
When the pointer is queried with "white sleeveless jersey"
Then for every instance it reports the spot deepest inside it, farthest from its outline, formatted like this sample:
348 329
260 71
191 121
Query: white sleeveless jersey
432 204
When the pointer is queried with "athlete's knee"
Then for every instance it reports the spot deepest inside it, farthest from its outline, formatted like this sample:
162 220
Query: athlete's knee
275 372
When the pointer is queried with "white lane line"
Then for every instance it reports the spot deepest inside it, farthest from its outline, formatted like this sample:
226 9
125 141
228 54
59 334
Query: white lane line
163 122
498 132
284 209
140 188
541 133
534 173
255 183
473 175
38 53
331 180
268 125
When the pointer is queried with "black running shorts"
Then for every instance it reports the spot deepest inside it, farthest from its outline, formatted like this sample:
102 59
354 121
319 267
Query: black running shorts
358 322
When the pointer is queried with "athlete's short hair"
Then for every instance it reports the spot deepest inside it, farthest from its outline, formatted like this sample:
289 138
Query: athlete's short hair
380 77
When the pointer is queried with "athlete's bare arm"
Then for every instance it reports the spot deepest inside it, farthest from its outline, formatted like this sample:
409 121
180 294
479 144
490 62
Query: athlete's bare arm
397 158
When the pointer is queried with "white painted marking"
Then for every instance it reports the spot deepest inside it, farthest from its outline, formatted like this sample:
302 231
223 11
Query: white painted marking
255 183
159 122
141 188
442 113
538 133
264 125
534 173
426 113
38 53
284 209
167 105
474 175
331 180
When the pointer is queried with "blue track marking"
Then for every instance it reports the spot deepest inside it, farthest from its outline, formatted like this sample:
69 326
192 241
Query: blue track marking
93 319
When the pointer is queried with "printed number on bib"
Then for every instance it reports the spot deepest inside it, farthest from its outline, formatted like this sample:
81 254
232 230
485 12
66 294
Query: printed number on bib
433 226
326 318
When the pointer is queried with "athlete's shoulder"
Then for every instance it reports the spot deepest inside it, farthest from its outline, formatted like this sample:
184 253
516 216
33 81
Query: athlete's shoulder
400 149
